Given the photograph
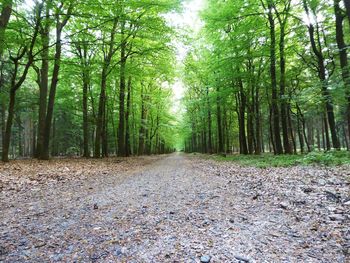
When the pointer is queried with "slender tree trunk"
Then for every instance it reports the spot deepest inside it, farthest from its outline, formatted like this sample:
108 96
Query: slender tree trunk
322 134
219 121
345 138
250 130
3 122
99 123
305 135
210 144
7 137
241 116
284 111
274 102
300 135
121 127
271 131
257 122
328 142
291 130
20 130
86 151
127 114
318 139
104 133
142 132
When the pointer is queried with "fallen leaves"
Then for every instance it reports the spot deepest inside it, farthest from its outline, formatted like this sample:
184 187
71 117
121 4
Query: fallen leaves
172 209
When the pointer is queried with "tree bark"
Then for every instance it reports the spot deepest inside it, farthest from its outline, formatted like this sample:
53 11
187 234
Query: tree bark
219 121
7 137
274 102
4 20
86 152
142 131
347 8
127 114
284 107
121 125
210 144
101 107
43 81
241 119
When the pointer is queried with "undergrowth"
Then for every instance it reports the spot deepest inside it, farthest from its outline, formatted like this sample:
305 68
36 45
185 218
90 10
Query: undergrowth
331 158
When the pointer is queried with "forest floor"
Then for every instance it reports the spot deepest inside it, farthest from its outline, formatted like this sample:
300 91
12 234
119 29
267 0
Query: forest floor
172 208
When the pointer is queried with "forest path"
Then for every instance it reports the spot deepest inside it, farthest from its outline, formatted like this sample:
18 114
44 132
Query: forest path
179 208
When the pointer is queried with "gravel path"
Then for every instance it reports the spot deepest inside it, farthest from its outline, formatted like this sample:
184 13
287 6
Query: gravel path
182 209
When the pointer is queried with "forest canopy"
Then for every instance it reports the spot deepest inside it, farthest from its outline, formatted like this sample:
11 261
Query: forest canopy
94 78
269 76
86 77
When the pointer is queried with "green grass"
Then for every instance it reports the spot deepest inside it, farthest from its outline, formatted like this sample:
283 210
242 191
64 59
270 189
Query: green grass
332 158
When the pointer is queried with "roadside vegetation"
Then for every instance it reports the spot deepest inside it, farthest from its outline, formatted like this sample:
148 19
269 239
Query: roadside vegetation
332 158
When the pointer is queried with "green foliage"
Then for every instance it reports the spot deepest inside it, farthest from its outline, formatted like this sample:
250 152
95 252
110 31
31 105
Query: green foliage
332 158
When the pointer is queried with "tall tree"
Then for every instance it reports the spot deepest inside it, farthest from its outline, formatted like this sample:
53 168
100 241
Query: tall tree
343 56
274 98
315 40
60 24
26 53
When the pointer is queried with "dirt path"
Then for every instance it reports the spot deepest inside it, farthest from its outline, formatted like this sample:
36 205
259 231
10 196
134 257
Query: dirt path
178 209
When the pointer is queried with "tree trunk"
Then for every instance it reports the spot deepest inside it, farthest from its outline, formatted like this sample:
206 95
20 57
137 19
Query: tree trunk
219 121
326 130
347 8
43 81
4 19
7 137
250 130
121 126
241 115
345 138
20 129
86 152
291 129
274 102
45 153
101 106
257 122
127 114
142 132
300 134
284 107
104 132
210 144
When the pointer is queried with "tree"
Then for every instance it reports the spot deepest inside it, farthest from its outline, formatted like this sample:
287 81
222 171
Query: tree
25 52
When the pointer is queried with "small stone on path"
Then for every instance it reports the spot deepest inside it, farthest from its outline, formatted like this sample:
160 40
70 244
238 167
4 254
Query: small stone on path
205 259
240 258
